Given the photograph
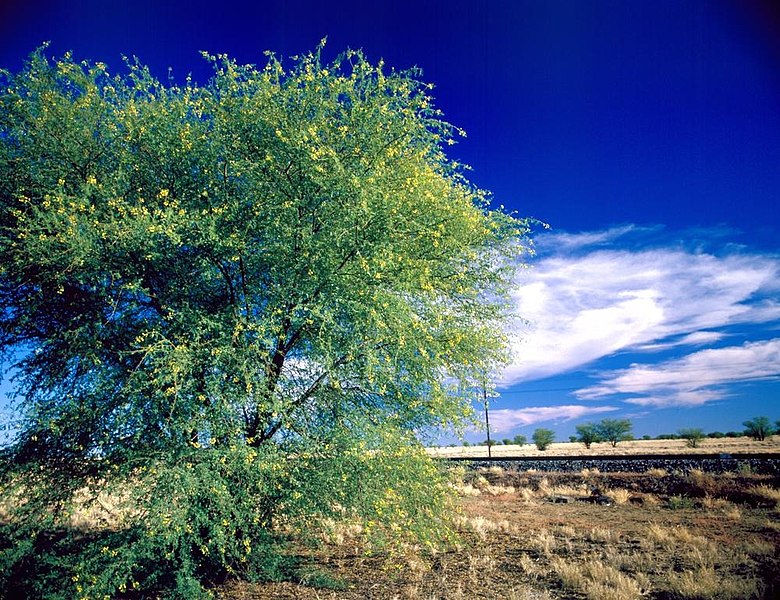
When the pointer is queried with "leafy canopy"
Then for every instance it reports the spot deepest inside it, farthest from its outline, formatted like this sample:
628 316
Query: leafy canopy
199 282
588 433
758 428
614 430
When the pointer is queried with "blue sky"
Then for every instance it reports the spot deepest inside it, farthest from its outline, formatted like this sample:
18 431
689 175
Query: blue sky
646 133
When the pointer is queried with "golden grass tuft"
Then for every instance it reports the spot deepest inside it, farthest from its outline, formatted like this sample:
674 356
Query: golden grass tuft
766 492
597 580
705 583
619 496
656 472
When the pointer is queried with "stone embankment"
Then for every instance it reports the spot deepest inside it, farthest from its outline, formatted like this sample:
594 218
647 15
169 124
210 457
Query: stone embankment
768 464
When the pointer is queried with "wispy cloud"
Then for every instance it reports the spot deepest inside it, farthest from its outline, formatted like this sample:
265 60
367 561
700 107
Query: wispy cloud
507 419
693 379
697 338
584 301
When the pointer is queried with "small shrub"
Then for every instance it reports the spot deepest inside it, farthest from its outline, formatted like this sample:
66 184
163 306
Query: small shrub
681 503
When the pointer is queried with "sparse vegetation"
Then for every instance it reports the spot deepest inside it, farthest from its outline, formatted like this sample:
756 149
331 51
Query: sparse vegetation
526 543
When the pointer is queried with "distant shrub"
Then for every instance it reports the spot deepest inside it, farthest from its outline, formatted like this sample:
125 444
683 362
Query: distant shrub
588 434
614 430
716 435
520 440
692 436
543 438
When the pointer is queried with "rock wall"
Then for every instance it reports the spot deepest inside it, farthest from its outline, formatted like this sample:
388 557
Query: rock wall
756 463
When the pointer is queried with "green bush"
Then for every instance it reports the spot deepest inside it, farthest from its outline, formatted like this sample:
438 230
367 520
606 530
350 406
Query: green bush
219 512
543 438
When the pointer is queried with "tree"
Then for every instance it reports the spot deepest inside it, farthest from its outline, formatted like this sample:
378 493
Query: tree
692 436
758 428
614 430
520 440
230 304
543 438
588 434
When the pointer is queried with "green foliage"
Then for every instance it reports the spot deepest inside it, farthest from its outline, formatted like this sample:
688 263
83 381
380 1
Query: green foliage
227 305
758 428
614 430
681 503
588 433
692 436
543 438
506 441
520 440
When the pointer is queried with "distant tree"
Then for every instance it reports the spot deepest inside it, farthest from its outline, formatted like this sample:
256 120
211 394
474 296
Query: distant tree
758 428
466 443
692 436
572 438
647 437
734 434
588 433
543 438
490 443
520 440
716 435
614 430
506 441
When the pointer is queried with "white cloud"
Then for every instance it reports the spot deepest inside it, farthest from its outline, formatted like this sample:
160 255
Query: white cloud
507 419
583 304
691 380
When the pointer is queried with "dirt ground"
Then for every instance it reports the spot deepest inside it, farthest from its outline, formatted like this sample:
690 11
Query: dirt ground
556 536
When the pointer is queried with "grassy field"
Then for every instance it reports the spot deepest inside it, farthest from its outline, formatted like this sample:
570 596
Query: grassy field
706 446
553 536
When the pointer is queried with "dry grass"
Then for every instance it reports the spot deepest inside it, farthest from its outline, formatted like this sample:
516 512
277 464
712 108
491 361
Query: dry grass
767 493
526 545
597 580
619 496
707 446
